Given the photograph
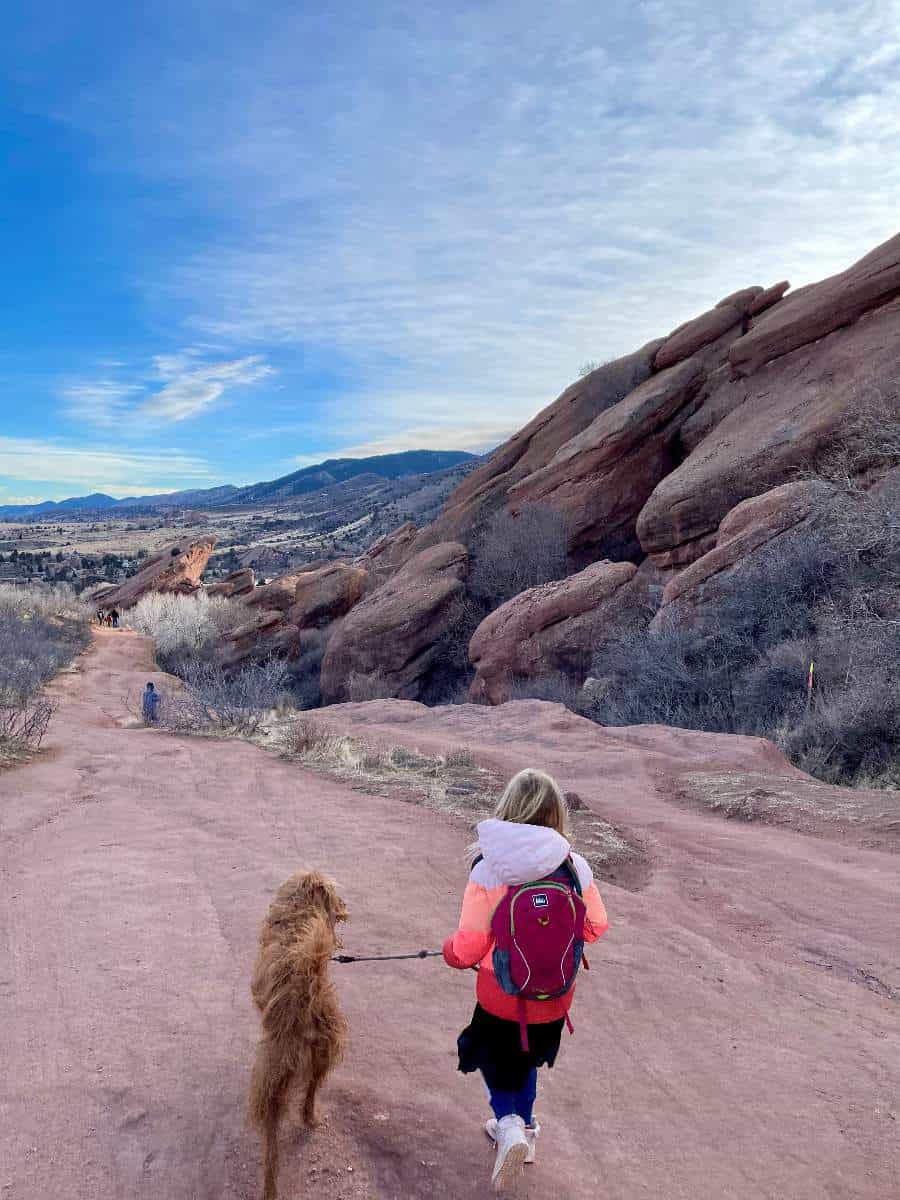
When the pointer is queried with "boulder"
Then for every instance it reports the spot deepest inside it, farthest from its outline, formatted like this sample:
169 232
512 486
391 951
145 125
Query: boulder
323 595
602 477
690 338
265 633
768 298
813 312
486 489
173 570
234 586
750 526
551 628
389 552
279 594
774 422
395 630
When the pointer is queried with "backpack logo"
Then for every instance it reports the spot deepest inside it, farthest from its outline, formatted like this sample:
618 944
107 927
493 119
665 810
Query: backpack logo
540 900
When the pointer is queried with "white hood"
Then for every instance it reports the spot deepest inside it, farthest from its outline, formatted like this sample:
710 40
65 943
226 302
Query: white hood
515 853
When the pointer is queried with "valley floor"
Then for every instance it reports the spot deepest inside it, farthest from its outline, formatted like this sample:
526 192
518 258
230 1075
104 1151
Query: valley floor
736 1039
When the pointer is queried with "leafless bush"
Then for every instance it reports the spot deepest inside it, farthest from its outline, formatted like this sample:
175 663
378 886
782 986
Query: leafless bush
868 444
588 368
518 552
554 686
459 756
370 685
210 700
831 598
185 628
41 631
304 670
23 726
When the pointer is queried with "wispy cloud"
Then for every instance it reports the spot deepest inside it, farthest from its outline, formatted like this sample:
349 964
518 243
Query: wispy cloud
117 471
547 186
178 387
465 202
192 387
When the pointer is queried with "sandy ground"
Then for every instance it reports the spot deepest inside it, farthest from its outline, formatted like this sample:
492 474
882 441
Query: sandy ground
738 1036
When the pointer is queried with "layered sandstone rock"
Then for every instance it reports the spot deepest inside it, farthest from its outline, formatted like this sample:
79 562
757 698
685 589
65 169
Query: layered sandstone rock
602 477
278 612
389 552
813 312
775 421
234 586
486 489
323 595
278 595
396 630
554 627
174 571
750 527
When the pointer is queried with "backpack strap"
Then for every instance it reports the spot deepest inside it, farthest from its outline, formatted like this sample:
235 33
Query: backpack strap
569 865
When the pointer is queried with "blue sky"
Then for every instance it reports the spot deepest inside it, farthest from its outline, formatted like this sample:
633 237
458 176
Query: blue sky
239 237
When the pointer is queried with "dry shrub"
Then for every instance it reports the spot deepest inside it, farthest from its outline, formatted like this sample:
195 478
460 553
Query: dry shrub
185 628
829 596
361 686
459 756
516 552
212 701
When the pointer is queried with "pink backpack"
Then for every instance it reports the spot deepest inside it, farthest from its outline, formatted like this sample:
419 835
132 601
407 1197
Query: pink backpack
538 933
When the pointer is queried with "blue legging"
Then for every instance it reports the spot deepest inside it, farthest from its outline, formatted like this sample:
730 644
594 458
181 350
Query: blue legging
505 1103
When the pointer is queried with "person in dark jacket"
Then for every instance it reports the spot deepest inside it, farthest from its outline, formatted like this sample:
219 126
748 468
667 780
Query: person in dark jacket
114 617
151 704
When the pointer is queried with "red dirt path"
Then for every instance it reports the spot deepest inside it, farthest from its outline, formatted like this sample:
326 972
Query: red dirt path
737 1038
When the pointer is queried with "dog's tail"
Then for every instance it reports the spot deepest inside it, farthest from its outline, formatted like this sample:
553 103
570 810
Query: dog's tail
269 1083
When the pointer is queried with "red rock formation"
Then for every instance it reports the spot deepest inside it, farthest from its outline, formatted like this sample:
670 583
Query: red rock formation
486 489
812 312
279 594
173 570
323 595
389 552
394 631
775 421
753 524
602 477
545 629
277 613
234 586
703 330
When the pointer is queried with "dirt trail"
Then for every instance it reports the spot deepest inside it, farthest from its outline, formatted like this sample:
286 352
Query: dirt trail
737 1037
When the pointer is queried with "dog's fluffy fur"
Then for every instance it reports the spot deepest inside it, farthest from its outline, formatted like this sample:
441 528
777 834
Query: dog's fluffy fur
303 1030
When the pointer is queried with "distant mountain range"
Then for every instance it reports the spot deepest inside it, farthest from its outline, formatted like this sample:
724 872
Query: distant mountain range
298 483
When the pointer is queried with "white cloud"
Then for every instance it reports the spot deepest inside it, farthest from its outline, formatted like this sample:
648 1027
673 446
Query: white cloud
546 189
190 385
116 471
467 201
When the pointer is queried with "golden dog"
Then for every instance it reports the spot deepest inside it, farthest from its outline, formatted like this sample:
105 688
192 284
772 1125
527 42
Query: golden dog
303 1030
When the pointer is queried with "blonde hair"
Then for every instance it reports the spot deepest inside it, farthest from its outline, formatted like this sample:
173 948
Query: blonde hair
530 798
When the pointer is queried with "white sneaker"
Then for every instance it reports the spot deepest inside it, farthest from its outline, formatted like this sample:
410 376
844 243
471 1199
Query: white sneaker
531 1136
512 1149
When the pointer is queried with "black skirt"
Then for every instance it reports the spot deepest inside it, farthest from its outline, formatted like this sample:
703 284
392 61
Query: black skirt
491 1042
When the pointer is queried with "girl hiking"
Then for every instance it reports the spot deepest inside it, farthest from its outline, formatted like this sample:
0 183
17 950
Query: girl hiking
529 907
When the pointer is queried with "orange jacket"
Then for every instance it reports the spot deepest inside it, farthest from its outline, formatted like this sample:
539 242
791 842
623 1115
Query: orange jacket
514 854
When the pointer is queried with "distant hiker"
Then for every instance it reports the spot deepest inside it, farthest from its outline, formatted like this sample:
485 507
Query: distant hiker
151 704
100 616
114 618
529 907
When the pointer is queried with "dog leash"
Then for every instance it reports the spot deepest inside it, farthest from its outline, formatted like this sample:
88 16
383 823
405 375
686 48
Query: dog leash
352 958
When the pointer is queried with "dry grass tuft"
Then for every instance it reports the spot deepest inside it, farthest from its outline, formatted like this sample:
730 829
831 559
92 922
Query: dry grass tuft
452 784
